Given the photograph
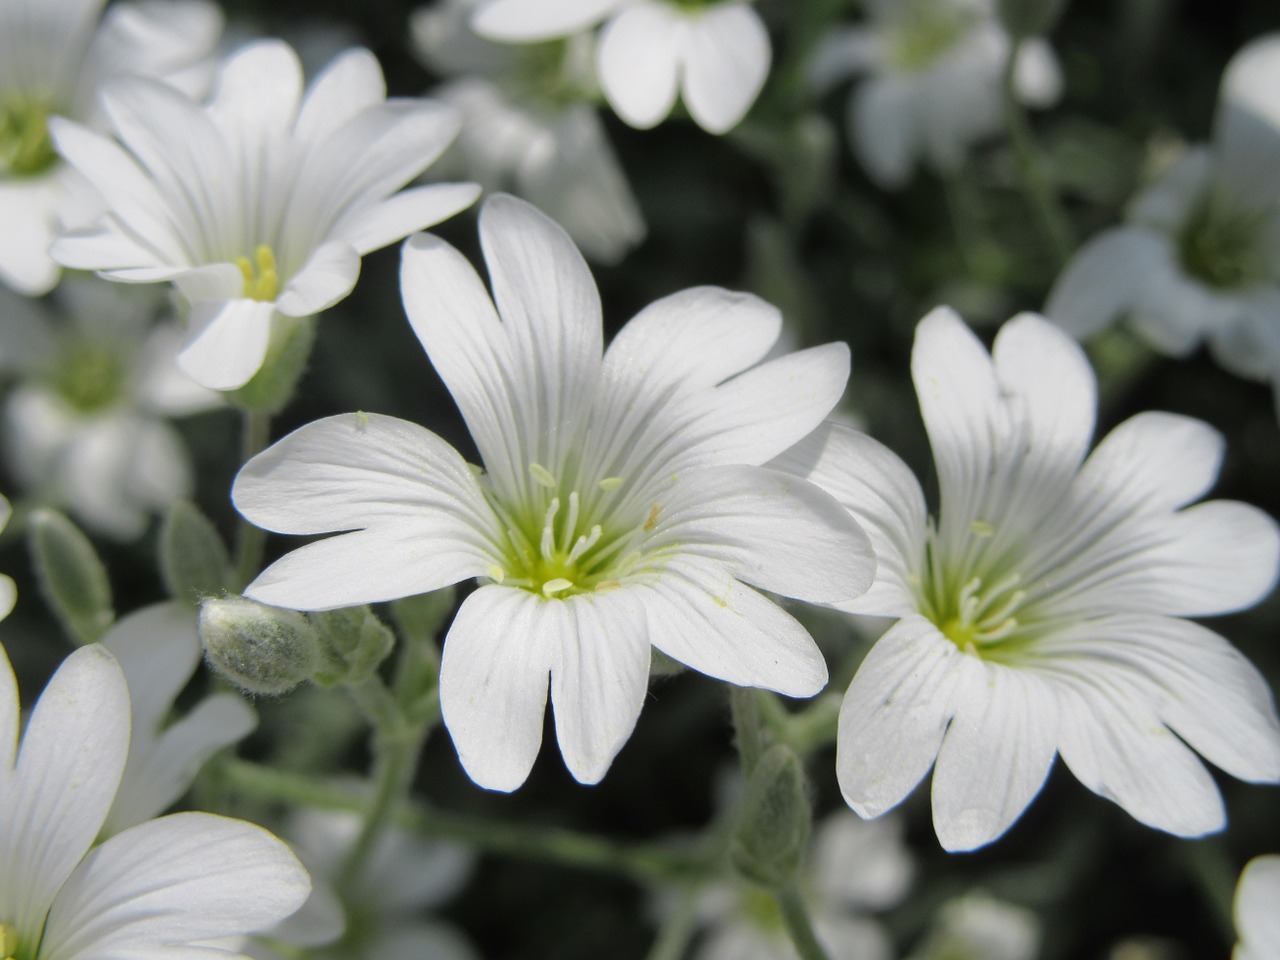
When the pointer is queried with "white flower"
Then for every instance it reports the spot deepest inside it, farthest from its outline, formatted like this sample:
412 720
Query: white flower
714 53
54 57
260 205
158 648
383 906
87 422
1199 258
168 887
1039 613
934 88
856 868
1257 920
621 505
528 127
8 589
979 927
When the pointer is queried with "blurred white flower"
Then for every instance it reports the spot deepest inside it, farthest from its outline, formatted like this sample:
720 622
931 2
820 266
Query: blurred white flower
714 54
1257 919
933 88
1040 611
158 648
55 55
378 915
8 589
167 887
86 423
528 125
979 927
259 206
856 869
621 507
1199 259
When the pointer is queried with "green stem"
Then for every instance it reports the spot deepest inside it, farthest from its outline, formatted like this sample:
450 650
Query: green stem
744 703
251 541
677 929
1030 166
796 917
646 863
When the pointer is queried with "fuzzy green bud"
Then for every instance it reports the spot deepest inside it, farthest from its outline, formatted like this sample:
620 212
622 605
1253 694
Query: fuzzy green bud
72 578
1030 18
773 829
261 649
193 559
354 644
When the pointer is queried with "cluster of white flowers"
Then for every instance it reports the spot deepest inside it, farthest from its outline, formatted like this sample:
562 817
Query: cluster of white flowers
660 498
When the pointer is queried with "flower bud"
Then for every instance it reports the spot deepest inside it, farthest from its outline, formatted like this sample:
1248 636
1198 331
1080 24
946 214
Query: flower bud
773 830
72 579
261 649
353 643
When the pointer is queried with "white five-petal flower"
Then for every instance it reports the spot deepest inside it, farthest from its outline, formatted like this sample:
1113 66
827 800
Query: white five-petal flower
934 88
713 54
622 504
168 887
1040 612
1257 920
530 126
260 205
55 55
1199 259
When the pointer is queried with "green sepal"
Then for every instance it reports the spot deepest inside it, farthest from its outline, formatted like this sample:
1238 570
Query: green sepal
354 644
72 578
272 387
773 828
194 561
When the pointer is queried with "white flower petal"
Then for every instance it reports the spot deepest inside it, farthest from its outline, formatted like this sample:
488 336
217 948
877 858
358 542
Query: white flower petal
995 756
894 715
239 105
171 882
227 342
1105 279
8 599
772 530
726 61
68 768
600 678
329 274
494 673
1118 749
1167 203
639 60
882 127
880 491
352 82
416 940
1257 920
701 616
1037 76
372 228
842 53
531 20
158 649
29 214
885 866
10 714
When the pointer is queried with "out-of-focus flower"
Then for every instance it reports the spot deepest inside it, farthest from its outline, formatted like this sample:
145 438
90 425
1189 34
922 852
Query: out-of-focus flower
529 126
158 649
55 55
1041 610
621 506
86 422
1257 920
933 88
167 887
979 927
857 868
8 589
1199 259
714 54
259 206
378 915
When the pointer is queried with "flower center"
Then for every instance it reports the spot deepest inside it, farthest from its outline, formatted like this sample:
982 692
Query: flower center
90 378
922 31
979 606
261 280
1220 246
9 942
25 147
565 542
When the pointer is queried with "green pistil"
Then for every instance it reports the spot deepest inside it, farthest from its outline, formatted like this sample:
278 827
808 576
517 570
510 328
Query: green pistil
922 31
261 278
90 378
25 147
1220 246
557 548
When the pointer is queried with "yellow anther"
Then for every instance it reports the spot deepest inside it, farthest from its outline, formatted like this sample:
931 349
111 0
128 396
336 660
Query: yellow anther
558 585
496 573
653 517
261 278
542 476
980 528
8 940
